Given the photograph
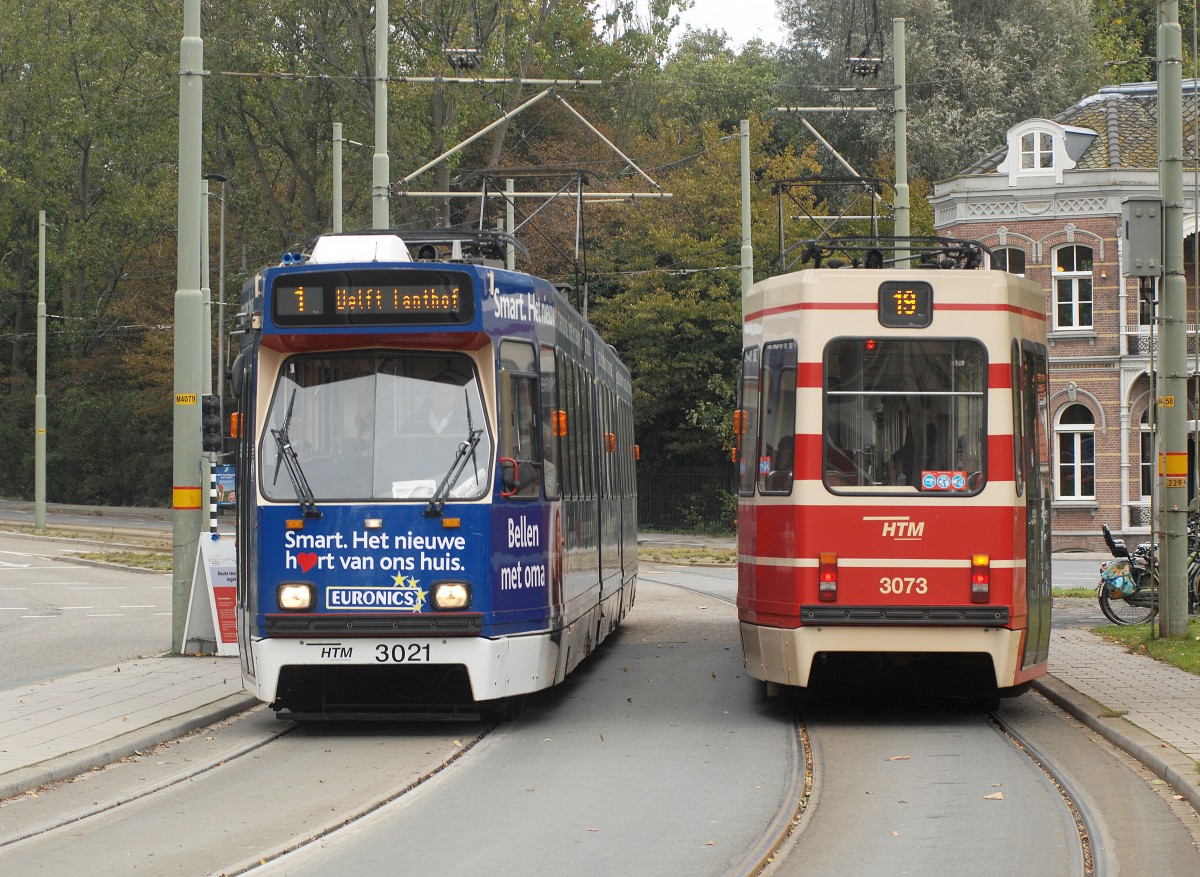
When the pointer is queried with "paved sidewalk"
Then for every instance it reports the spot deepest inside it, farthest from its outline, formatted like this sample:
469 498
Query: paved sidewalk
1148 708
63 727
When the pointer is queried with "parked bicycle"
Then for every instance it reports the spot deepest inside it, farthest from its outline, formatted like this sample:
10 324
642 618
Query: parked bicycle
1129 584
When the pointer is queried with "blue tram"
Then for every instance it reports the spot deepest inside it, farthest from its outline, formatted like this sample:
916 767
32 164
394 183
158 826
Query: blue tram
438 504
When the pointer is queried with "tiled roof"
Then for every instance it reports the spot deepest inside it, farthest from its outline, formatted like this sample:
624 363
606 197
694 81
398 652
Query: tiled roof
1125 119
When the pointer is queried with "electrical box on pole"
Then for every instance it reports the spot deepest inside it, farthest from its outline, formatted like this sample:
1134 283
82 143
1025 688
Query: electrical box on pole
1142 236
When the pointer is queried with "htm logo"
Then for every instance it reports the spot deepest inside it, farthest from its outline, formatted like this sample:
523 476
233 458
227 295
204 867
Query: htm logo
335 652
900 528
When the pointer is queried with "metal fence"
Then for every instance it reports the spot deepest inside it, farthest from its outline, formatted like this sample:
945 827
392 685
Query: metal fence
695 501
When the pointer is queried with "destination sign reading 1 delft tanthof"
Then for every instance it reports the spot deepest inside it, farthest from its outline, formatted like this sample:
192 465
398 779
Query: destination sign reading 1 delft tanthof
400 297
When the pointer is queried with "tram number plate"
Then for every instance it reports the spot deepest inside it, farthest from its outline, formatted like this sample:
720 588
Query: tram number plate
402 653
899 585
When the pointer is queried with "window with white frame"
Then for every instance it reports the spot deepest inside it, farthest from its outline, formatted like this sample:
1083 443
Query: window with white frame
1037 150
1147 296
1147 456
1010 259
1075 462
1073 287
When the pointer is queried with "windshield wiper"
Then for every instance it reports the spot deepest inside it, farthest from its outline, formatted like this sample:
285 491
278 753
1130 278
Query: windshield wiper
287 455
456 467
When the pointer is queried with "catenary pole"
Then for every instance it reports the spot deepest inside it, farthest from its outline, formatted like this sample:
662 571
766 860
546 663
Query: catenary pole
337 177
186 480
380 180
1172 402
901 207
39 402
747 246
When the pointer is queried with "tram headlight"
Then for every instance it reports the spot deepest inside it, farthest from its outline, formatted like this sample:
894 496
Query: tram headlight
451 595
296 596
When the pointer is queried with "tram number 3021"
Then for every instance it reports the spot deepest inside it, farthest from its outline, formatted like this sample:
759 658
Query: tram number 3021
898 585
402 653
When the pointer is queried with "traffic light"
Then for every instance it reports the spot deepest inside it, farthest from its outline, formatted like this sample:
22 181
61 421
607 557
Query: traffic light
210 423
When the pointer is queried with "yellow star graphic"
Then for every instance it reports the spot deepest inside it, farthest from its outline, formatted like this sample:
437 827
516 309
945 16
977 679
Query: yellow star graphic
399 580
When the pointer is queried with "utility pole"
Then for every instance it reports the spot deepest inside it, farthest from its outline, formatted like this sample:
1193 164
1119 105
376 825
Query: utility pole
1172 399
337 177
900 207
187 484
380 184
747 247
39 402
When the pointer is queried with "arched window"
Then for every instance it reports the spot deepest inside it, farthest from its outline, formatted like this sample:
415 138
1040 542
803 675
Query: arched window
1075 462
1037 150
1073 287
1010 259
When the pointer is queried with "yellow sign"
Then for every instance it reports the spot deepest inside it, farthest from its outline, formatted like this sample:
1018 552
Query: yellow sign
185 398
1166 401
1176 482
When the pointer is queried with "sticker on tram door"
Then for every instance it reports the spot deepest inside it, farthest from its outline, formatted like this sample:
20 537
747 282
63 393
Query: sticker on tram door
943 480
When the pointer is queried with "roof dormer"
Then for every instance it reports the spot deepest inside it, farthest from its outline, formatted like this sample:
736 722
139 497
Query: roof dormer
1042 148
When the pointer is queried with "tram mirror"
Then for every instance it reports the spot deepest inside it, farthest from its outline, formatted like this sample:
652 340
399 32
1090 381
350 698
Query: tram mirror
237 374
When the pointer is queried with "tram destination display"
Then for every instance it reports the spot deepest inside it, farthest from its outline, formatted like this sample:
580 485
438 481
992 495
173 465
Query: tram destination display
905 305
391 298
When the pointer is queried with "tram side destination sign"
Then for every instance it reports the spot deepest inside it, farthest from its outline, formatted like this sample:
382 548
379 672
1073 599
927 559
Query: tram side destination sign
399 297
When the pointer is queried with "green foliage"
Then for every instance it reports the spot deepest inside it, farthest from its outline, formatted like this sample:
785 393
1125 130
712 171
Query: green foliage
88 133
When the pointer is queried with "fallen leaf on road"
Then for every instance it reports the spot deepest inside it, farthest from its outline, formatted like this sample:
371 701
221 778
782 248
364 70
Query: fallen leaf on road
995 796
900 758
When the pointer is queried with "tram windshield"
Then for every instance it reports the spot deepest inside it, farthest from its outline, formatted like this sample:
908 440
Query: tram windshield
377 426
905 413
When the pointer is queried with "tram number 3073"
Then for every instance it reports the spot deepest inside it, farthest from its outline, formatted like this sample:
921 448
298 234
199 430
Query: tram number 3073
402 653
898 585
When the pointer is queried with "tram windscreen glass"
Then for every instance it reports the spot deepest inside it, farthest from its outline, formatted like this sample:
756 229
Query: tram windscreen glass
905 305
389 298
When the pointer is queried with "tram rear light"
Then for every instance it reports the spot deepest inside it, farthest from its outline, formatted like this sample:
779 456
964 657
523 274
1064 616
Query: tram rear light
610 442
870 344
451 595
235 425
296 596
981 578
559 423
827 577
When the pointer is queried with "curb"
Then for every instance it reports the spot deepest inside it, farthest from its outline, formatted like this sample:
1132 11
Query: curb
1162 759
72 764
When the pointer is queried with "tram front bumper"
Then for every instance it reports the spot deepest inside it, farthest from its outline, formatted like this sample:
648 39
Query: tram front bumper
785 655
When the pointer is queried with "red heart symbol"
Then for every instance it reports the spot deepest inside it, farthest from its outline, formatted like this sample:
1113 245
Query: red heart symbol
307 560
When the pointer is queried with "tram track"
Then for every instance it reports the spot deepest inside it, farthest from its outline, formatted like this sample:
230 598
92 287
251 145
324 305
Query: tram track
349 772
1094 861
100 807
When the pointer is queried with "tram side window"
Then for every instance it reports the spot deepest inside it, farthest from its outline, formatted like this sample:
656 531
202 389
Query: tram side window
903 413
745 423
569 445
519 453
1019 390
550 454
777 456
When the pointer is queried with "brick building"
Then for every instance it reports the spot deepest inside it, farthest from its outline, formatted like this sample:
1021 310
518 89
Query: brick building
1048 204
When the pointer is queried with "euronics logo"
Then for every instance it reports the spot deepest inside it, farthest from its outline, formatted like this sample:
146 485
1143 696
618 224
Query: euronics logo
374 599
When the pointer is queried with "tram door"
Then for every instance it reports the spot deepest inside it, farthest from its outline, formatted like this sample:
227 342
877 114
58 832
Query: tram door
1035 461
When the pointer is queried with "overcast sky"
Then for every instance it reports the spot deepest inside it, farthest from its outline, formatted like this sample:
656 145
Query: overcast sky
743 20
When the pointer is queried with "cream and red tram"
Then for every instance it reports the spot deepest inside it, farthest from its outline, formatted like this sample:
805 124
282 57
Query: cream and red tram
892 492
